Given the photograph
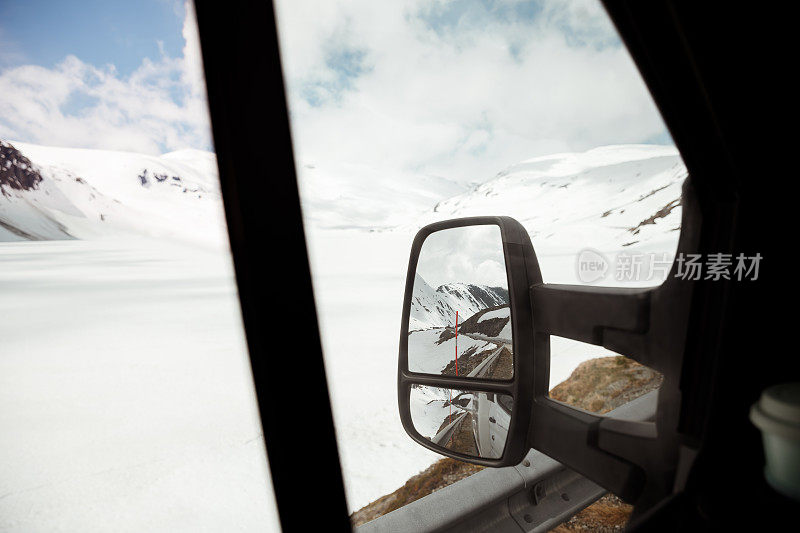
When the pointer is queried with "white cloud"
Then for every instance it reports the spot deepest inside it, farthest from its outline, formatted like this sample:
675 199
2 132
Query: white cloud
457 89
473 254
159 107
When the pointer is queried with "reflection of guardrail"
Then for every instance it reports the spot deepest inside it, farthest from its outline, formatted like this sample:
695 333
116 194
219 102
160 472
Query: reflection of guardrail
446 432
526 497
480 370
479 337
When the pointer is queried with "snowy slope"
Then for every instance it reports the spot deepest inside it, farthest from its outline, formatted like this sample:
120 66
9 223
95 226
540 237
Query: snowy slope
609 198
90 194
342 196
430 406
438 353
126 392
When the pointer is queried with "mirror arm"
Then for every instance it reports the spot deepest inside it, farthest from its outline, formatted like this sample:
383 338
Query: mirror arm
637 323
594 315
636 459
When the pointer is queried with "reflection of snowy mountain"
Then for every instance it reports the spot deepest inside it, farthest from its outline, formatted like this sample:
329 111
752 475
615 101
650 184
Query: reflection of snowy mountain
437 307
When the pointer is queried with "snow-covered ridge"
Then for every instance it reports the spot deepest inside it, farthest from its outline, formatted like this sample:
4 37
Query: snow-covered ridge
433 308
610 197
91 194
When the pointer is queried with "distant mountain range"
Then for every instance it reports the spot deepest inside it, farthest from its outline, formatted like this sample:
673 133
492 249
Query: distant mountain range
612 197
432 308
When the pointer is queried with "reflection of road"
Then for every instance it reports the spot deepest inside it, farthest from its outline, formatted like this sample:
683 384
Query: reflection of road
444 435
482 369
484 356
480 429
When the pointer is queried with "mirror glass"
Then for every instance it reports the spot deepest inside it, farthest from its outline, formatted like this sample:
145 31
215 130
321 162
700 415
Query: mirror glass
470 422
460 320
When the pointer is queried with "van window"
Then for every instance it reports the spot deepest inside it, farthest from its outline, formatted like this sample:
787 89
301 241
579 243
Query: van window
408 113
126 398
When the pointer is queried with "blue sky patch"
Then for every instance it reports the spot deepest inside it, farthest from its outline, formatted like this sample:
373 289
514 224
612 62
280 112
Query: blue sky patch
98 32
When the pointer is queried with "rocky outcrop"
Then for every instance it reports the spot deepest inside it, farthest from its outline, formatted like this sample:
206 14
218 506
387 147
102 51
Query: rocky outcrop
16 171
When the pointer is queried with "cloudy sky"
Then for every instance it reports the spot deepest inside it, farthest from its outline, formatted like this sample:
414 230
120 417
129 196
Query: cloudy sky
457 88
472 254
108 74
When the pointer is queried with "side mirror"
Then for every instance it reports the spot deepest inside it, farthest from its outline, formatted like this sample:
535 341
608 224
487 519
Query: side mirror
467 345
474 363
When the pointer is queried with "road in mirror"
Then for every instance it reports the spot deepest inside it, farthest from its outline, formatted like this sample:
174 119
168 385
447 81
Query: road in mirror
460 320
470 422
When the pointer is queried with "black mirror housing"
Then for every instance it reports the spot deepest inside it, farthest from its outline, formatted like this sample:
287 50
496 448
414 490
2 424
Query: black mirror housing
637 461
522 270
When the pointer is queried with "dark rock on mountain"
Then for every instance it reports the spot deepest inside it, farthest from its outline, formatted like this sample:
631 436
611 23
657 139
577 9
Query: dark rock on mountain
490 327
16 171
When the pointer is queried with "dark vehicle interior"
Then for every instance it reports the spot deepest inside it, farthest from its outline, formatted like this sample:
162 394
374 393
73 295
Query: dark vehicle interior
719 74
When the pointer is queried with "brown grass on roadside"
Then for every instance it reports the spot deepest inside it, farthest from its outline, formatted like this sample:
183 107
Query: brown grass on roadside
609 513
440 474
600 385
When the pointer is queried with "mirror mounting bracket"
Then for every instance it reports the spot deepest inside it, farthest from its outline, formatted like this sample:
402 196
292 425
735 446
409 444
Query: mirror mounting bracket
637 461
595 315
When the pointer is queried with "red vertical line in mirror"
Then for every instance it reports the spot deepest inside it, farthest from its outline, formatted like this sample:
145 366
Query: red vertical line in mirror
456 343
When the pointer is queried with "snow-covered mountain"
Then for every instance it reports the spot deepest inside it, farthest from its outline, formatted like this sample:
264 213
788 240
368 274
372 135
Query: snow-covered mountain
432 308
612 197
64 193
